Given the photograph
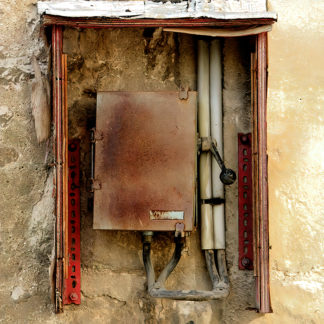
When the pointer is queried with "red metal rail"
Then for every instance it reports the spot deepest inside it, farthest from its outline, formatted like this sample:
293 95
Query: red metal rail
245 202
72 284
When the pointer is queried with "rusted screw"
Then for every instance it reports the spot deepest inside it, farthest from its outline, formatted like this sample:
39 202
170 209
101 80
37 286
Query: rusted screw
73 296
245 262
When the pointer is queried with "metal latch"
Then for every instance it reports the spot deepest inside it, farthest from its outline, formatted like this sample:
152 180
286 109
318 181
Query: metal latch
206 144
179 230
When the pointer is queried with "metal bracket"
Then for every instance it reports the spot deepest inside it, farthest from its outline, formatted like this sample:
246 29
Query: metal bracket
213 201
205 143
208 144
72 284
245 202
183 93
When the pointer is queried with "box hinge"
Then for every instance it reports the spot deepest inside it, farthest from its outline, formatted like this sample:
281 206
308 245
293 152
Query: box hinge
95 185
96 135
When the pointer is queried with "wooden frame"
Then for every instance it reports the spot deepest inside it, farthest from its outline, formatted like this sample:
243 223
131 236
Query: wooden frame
259 146
81 22
261 176
58 100
259 67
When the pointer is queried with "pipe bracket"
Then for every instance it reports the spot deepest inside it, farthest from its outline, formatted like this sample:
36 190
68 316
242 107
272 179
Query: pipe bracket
183 93
209 144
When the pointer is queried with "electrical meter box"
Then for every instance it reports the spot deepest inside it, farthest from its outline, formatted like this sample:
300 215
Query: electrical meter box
145 161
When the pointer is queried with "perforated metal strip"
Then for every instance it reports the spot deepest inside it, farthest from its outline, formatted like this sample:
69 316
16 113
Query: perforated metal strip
72 284
245 202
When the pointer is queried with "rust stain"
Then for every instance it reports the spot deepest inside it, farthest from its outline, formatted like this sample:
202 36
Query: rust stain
146 160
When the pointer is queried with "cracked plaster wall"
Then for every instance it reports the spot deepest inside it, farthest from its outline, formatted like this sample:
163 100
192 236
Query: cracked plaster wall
113 278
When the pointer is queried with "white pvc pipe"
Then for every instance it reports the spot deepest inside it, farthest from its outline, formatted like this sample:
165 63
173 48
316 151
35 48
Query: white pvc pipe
203 89
205 165
219 227
207 241
216 105
207 235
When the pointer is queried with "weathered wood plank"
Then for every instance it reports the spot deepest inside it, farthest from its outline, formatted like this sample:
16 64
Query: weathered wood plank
95 22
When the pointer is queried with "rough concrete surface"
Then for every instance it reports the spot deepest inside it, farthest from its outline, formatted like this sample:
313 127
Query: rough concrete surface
296 161
113 279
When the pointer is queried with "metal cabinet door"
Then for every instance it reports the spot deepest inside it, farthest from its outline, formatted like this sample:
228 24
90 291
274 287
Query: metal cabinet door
146 161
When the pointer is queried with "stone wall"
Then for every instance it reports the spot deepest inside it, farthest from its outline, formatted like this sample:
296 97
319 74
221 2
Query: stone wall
26 213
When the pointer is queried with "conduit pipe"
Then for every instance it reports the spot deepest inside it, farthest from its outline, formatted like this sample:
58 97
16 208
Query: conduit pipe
216 116
207 239
156 288
216 107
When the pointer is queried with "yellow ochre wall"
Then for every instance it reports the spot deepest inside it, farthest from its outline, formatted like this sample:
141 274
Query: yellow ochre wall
296 162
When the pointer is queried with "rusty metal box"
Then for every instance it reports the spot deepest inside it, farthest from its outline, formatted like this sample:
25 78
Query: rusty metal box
145 161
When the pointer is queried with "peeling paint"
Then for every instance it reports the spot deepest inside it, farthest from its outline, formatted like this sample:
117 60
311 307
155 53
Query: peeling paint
221 9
